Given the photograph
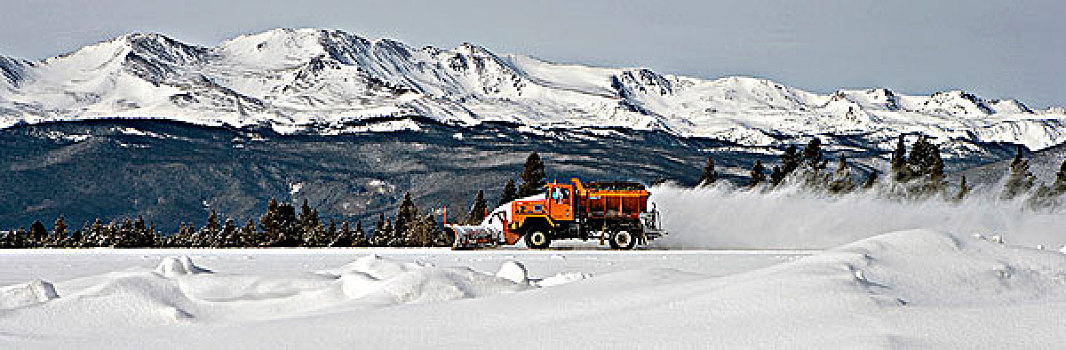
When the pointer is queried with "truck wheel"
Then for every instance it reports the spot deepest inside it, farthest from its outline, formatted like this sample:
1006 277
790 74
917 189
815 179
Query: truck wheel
623 240
537 239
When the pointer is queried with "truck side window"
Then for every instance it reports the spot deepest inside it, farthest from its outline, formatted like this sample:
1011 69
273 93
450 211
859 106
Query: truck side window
566 193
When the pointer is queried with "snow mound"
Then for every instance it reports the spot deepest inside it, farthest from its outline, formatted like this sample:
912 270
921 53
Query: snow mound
513 271
178 266
562 278
922 267
403 282
26 294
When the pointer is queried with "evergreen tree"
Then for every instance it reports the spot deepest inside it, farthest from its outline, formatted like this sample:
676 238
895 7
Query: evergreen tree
124 235
406 217
388 237
533 178
95 236
358 236
922 158
279 225
758 174
381 234
342 235
777 176
17 239
790 161
249 235
1059 187
899 156
334 236
59 232
510 193
153 234
210 234
37 234
77 238
812 154
1019 180
841 181
709 176
143 237
231 234
964 189
313 234
477 210
424 233
871 180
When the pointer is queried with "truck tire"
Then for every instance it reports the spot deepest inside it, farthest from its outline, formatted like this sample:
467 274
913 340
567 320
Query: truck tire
538 239
623 240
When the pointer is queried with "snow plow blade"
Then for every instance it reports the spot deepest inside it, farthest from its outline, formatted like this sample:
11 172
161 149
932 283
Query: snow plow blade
468 237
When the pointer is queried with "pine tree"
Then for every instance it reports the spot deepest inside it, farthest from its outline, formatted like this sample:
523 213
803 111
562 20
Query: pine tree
210 235
964 189
406 217
358 236
95 236
899 156
249 235
77 238
37 234
230 233
334 237
424 233
871 180
141 234
18 239
381 235
533 178
477 210
510 193
311 230
1059 187
1019 180
841 181
758 174
709 176
59 232
790 161
812 154
777 176
279 225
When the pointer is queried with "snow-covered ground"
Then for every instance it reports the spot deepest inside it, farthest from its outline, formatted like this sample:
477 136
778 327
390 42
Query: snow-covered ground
914 288
870 283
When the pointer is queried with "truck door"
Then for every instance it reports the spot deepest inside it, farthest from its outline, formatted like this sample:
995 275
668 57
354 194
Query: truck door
561 202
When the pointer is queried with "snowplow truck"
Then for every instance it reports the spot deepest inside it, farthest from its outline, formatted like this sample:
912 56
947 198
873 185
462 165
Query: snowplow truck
613 212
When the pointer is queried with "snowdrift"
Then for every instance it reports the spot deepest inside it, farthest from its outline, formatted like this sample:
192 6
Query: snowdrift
29 293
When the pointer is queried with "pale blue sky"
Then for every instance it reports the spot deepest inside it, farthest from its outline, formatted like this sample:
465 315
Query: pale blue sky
996 49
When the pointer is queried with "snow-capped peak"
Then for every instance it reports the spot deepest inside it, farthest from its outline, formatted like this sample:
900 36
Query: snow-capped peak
304 79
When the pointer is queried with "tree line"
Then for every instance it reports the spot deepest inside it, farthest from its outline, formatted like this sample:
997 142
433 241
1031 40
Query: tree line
917 174
280 226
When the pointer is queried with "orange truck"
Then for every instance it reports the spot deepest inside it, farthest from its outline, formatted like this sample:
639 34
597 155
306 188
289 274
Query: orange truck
614 212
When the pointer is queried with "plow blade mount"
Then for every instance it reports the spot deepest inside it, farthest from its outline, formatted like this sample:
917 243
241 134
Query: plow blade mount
476 236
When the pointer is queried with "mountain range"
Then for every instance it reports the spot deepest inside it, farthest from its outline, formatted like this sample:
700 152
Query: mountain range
146 124
323 81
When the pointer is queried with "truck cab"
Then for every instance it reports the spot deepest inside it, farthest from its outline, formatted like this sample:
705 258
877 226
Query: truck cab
560 202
